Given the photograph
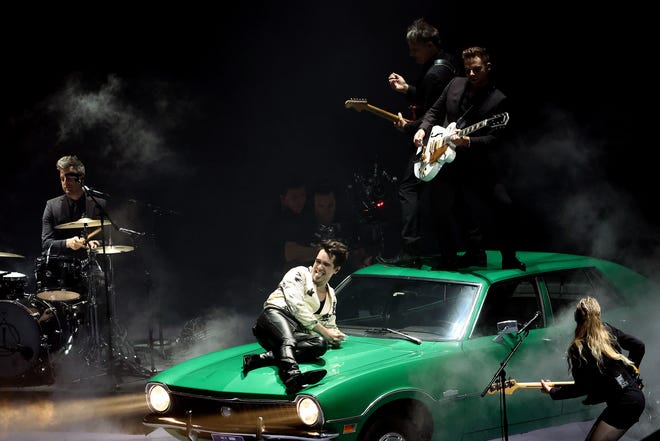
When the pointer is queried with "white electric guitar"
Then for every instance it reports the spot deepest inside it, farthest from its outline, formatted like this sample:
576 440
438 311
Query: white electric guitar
439 150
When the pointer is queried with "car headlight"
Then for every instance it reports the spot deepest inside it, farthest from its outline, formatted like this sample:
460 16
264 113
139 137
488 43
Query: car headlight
309 411
158 398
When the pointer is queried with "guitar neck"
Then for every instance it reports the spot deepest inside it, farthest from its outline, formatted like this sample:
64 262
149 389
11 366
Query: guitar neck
537 385
473 128
382 113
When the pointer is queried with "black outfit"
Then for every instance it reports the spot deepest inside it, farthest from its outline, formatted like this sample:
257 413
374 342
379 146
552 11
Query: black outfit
62 268
285 329
62 210
287 344
59 266
616 383
412 192
472 184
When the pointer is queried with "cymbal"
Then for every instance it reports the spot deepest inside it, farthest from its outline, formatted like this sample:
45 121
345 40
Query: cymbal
113 249
4 254
80 223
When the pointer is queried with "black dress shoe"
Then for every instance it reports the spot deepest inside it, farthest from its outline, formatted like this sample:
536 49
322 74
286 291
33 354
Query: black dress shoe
401 259
447 263
513 263
299 380
476 258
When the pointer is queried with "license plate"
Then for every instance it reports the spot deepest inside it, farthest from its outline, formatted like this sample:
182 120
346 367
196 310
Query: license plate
225 437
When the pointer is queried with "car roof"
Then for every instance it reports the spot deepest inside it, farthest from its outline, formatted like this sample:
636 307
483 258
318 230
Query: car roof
536 262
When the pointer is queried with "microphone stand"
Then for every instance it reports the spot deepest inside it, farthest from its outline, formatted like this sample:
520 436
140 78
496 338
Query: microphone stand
109 300
109 313
500 374
156 315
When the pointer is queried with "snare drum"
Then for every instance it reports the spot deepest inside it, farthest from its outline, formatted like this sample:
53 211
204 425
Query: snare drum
12 285
59 278
32 331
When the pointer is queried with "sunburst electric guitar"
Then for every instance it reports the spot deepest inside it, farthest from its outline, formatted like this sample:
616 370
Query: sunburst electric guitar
510 386
439 150
362 104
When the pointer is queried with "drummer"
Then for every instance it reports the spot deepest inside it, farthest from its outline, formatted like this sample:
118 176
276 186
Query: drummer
71 207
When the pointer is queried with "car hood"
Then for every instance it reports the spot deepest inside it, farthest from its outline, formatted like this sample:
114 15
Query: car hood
221 371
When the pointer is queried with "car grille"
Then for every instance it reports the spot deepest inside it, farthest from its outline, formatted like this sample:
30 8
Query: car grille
235 415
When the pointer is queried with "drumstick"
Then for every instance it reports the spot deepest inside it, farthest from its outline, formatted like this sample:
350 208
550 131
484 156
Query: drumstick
94 233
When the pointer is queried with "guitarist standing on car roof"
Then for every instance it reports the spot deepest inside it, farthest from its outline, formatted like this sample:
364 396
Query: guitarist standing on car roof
438 68
472 182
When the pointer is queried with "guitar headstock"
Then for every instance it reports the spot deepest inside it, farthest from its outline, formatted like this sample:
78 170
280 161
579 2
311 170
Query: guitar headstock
499 120
358 104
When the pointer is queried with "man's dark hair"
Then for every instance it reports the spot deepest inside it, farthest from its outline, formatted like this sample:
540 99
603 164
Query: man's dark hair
291 182
335 248
476 51
420 31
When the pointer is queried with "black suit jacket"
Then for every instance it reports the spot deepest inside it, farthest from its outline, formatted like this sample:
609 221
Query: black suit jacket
57 213
474 164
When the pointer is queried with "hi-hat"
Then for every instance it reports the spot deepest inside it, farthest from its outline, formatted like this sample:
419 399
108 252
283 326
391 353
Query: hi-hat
4 254
80 223
113 249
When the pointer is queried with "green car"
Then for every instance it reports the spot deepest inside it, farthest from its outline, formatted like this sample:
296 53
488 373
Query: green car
430 354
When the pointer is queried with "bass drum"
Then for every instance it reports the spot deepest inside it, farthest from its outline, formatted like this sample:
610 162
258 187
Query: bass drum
32 331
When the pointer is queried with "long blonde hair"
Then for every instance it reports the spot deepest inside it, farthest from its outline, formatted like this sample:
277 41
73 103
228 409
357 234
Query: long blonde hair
591 332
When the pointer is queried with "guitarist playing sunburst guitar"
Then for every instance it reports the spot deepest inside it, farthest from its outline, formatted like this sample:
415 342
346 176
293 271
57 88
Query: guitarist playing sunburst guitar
438 68
603 372
470 176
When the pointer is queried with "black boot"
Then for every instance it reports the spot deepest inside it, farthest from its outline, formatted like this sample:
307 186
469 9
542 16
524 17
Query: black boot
475 254
254 361
296 380
510 261
472 258
401 259
293 379
408 256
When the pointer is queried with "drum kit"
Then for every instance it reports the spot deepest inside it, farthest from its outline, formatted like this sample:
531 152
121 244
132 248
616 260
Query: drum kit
39 330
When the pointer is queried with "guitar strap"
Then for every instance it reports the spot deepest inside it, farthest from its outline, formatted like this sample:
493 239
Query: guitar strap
460 122
447 64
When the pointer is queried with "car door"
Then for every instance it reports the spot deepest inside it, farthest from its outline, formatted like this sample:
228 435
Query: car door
523 356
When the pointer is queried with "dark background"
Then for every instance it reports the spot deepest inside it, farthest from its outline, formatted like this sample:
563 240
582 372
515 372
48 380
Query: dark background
205 110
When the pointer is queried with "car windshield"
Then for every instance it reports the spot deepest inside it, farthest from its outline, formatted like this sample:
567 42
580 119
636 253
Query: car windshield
431 309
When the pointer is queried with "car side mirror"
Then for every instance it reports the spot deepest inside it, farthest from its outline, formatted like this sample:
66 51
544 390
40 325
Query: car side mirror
505 327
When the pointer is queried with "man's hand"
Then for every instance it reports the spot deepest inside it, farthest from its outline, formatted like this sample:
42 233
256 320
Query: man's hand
397 83
335 337
75 243
418 139
400 123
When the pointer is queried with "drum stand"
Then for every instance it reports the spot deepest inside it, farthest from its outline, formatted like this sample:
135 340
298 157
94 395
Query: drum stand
118 358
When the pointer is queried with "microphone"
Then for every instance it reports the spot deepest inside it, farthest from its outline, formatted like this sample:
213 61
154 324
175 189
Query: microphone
94 192
526 325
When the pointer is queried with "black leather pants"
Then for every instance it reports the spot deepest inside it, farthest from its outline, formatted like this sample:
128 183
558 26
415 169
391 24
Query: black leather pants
280 333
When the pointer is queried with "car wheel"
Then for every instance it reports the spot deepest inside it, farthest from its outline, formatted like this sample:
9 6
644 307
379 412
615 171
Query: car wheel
390 428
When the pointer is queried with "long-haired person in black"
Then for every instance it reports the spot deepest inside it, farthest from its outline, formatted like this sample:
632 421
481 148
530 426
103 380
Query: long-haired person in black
603 373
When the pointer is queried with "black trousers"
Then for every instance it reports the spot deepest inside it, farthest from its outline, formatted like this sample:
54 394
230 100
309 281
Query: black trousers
276 331
413 197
